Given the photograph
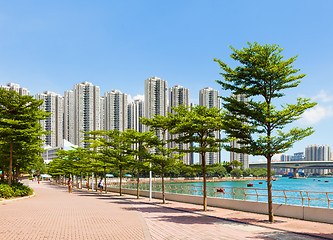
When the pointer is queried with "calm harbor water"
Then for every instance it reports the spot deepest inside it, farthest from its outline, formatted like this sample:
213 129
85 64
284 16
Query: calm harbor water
309 185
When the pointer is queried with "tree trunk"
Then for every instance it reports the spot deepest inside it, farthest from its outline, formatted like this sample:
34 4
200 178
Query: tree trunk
138 184
96 184
17 173
106 191
88 182
163 193
203 159
269 190
104 180
120 181
81 179
10 163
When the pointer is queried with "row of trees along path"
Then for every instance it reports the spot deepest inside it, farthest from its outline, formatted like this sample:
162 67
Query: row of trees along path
256 124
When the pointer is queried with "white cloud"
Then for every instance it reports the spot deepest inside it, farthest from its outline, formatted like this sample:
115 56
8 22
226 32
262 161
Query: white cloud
314 115
137 97
261 160
276 157
322 96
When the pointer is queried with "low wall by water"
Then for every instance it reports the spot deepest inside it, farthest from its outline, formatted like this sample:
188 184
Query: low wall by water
300 212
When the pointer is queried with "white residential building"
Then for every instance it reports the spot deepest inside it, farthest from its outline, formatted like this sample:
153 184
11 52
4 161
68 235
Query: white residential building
155 102
210 97
69 116
135 111
241 157
16 87
102 114
179 95
82 112
54 104
115 110
317 153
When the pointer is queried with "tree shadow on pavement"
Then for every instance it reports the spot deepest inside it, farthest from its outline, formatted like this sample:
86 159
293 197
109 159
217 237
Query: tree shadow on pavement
293 236
151 209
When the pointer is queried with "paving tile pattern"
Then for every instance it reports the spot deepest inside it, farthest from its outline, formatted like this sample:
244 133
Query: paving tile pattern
55 214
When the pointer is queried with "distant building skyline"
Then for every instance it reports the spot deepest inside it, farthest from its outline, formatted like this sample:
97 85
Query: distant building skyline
87 92
16 87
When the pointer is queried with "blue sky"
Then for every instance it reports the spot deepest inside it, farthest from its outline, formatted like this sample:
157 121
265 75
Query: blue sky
52 45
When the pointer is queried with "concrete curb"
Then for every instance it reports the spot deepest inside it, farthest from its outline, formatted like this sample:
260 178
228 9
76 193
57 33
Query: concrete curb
19 198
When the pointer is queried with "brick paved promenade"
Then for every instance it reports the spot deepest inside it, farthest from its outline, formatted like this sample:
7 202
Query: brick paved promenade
55 214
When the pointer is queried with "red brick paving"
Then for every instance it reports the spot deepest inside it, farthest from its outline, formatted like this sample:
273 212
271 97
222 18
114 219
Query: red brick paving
55 214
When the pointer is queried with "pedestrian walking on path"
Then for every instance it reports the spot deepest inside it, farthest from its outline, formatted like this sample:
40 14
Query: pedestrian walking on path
100 185
70 185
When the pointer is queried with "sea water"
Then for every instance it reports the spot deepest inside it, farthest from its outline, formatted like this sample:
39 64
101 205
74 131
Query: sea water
296 189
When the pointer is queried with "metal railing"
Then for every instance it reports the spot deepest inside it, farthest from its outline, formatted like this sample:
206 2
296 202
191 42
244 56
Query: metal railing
291 197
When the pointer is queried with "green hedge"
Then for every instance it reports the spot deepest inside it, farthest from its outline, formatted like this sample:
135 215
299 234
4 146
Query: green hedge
16 190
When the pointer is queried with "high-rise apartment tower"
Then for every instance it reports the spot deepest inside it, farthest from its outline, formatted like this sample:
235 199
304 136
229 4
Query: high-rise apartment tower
135 111
241 157
15 87
155 102
210 97
54 104
179 95
82 112
115 110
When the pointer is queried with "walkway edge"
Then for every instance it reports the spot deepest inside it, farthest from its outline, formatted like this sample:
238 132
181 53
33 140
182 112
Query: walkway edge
19 198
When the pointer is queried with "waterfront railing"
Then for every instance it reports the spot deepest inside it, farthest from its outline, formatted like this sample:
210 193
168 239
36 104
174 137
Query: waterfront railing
291 197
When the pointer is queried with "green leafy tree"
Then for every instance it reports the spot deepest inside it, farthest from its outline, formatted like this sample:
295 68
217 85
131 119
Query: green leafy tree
20 122
117 150
98 161
217 170
163 158
141 142
236 172
258 125
236 164
197 126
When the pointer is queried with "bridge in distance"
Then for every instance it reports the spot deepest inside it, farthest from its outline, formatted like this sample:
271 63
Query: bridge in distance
295 165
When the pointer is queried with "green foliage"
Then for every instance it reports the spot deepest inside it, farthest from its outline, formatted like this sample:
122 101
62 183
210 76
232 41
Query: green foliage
17 189
198 127
6 191
163 158
217 170
258 124
236 164
236 172
262 77
20 130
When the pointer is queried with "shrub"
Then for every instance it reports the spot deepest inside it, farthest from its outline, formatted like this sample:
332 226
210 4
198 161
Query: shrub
16 190
6 191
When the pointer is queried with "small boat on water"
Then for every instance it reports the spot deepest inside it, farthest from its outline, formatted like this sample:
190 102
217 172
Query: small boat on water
250 184
220 190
